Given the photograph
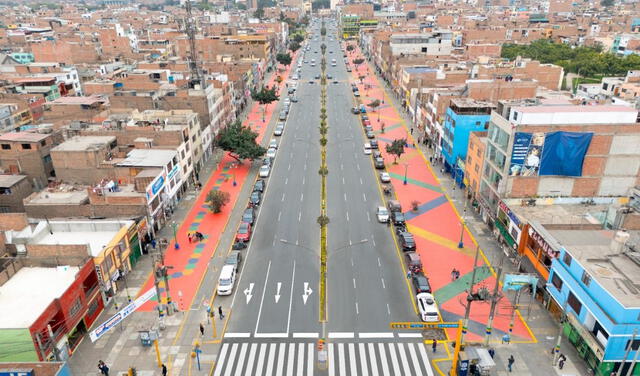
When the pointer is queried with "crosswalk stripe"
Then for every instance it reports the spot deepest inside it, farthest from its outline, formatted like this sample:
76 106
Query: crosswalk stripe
232 358
310 360
394 360
221 358
341 360
272 356
292 353
414 359
403 359
280 366
383 360
252 356
300 358
243 353
425 360
352 359
363 360
372 357
332 361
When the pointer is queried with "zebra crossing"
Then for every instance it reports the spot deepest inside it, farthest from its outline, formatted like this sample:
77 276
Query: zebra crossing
363 358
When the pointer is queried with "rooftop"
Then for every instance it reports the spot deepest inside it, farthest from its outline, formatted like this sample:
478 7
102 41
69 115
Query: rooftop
615 271
573 108
85 143
563 214
7 181
22 304
23 136
87 101
148 158
418 70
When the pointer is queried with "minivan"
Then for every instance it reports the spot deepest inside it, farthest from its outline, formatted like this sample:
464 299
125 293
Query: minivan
427 307
227 280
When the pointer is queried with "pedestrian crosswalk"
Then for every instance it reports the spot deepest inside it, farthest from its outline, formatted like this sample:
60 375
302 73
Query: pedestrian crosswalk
301 358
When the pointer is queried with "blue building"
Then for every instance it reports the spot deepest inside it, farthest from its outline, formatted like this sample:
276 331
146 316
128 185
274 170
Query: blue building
595 280
23 57
462 117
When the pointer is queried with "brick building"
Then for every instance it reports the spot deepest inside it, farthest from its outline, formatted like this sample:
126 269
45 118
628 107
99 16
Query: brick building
474 162
13 189
29 153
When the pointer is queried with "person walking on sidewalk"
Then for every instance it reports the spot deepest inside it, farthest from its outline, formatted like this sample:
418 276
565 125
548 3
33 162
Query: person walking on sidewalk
164 370
561 361
434 345
511 360
220 312
103 368
201 329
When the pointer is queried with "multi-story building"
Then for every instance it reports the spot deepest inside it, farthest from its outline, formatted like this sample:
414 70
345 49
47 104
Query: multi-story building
29 153
13 189
350 26
435 43
474 162
462 117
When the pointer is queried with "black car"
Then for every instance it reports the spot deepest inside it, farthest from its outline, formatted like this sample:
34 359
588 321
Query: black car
329 77
249 215
397 218
421 283
378 163
266 161
259 185
374 144
255 198
365 117
234 258
371 135
407 241
317 76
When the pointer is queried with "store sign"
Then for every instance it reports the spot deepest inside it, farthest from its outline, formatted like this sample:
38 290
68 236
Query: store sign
121 315
155 187
533 234
173 172
509 213
16 372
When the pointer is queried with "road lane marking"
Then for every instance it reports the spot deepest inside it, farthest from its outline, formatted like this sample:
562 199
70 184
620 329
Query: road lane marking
410 335
363 360
357 310
303 180
372 358
341 359
282 198
379 264
354 283
341 167
414 359
375 335
299 216
305 167
293 279
373 240
264 290
425 360
403 359
343 180
263 352
368 217
352 359
358 166
278 287
292 354
271 335
252 356
237 335
364 197
383 359
306 335
243 353
279 214
388 310
341 334
221 357
280 364
383 286
310 359
286 181
272 355
360 180
352 261
394 360
301 197
289 168
232 357
347 216
345 196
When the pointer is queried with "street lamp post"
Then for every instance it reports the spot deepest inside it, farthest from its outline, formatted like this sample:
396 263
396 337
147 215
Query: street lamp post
406 166
176 245
461 242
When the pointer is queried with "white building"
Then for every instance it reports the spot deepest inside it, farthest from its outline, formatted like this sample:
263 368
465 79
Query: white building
435 43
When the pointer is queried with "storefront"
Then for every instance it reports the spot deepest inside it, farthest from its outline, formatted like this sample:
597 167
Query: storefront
509 226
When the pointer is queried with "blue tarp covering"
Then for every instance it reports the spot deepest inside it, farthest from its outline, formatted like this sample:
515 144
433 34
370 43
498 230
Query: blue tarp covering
563 153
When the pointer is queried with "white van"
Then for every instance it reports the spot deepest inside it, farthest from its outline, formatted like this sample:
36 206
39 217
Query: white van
427 307
227 280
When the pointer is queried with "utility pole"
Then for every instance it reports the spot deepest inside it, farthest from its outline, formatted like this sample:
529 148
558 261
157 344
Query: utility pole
470 298
626 353
494 303
156 283
556 349
635 359
190 29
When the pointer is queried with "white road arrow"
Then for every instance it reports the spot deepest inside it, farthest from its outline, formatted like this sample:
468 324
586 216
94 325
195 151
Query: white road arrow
247 292
307 292
278 291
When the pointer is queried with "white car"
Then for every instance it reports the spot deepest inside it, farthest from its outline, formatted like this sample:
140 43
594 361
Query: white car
273 144
227 280
385 177
278 131
264 171
271 153
295 77
427 307
367 149
383 214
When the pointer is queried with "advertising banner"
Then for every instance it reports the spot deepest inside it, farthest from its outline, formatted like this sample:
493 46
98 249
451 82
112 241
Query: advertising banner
564 153
121 315
518 281
526 152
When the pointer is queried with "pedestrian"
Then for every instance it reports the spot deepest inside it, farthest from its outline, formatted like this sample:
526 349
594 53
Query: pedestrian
201 329
506 338
409 274
103 368
434 344
190 237
442 170
457 273
220 312
453 274
561 363
431 159
412 130
511 361
492 352
164 370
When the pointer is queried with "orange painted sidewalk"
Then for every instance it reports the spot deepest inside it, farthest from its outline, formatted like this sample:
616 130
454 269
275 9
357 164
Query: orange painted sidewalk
436 225
188 264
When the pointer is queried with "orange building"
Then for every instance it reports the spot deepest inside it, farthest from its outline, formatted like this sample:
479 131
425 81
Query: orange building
475 159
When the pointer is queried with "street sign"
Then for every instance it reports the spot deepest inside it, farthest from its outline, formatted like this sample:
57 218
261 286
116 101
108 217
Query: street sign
423 325
121 315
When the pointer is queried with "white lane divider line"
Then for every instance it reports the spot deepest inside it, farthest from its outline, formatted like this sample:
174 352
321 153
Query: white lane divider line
299 216
282 198
364 197
306 335
345 196
347 216
341 334
361 181
354 283
368 217
388 310
301 197
410 335
279 214
383 286
375 335
357 311
237 335
271 335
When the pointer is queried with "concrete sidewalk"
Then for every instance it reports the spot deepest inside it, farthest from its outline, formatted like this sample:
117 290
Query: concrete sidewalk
530 358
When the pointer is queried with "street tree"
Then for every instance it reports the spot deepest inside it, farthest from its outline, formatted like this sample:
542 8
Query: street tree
607 3
265 96
374 104
358 61
240 142
361 77
396 148
217 199
350 47
284 59
259 13
298 38
294 46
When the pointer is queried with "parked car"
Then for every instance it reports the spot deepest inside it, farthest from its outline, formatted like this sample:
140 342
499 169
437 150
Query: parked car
273 143
271 153
421 283
385 177
370 135
378 163
355 110
249 215
367 148
234 258
407 241
356 94
394 205
259 185
244 232
374 144
294 99
397 218
278 131
255 198
376 154
383 214
264 171
413 262
266 161
282 116
427 307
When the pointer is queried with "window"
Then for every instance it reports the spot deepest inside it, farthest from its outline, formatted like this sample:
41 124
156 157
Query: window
47 158
477 168
477 123
566 259
634 346
5 191
556 281
75 308
93 307
43 142
515 115
6 147
574 303
26 146
479 152
586 278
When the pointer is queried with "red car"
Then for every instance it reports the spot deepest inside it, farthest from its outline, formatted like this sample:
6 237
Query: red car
244 232
366 122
